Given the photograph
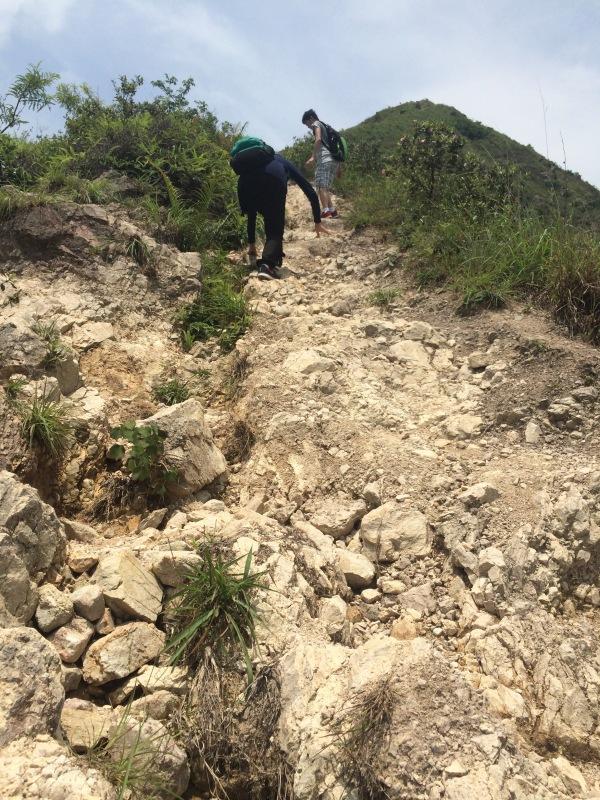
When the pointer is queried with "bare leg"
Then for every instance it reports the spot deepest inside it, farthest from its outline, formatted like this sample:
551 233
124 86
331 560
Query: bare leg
325 198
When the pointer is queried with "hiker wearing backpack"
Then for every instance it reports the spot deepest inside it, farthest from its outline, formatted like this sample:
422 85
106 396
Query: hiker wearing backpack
262 189
330 150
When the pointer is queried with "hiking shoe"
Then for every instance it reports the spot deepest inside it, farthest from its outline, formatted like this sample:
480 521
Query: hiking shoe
326 214
267 273
334 214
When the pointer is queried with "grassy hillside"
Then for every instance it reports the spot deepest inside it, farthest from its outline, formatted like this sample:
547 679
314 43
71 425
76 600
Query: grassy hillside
543 181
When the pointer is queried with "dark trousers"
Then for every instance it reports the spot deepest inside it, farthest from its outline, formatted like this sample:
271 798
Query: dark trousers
268 199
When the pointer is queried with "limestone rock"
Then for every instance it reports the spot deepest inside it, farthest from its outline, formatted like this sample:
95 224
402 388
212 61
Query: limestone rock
89 601
533 432
571 777
106 623
358 570
54 608
418 331
71 640
42 769
173 566
31 691
306 362
21 350
155 750
159 705
411 353
151 678
337 518
372 494
479 495
390 531
130 590
419 598
84 723
189 447
66 372
123 651
91 334
462 426
81 557
333 614
71 677
32 542
403 629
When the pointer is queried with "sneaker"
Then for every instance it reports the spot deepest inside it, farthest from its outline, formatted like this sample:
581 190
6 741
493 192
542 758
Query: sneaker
267 273
333 213
326 214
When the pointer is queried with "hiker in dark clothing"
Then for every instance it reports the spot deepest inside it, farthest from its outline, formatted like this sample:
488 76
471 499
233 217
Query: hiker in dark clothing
263 191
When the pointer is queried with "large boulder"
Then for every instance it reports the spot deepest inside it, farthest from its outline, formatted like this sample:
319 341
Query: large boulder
391 531
130 590
21 350
31 690
189 447
42 769
123 651
32 543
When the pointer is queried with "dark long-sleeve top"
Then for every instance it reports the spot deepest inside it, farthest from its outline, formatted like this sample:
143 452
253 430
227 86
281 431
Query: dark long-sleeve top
283 170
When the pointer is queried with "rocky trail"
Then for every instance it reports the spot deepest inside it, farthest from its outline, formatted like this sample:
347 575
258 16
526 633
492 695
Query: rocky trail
422 491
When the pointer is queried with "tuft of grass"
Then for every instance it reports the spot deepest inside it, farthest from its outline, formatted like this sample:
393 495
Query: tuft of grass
216 608
13 199
46 423
362 734
130 757
171 392
220 310
138 250
383 298
14 388
55 349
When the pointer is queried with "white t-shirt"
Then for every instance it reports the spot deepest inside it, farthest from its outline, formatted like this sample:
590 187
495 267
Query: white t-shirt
323 156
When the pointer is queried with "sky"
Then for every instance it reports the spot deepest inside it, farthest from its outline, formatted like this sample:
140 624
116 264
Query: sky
529 68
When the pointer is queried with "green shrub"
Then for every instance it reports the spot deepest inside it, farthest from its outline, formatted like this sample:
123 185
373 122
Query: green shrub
216 608
171 392
55 349
144 458
46 424
384 298
220 310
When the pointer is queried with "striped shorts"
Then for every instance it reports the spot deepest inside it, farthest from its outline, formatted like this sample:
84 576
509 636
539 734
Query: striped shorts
325 173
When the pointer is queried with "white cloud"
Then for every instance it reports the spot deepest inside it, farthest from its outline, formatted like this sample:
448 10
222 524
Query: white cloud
49 15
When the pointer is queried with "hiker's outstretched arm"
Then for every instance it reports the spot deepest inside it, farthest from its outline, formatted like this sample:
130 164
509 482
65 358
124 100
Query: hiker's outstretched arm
251 228
308 190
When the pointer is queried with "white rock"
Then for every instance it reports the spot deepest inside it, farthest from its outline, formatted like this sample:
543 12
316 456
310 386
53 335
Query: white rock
122 652
572 778
479 495
31 690
333 613
130 590
84 723
462 426
71 640
189 447
152 678
306 362
372 494
337 518
418 331
358 570
91 334
31 768
32 542
370 595
390 531
409 353
89 601
54 608
533 432
172 567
